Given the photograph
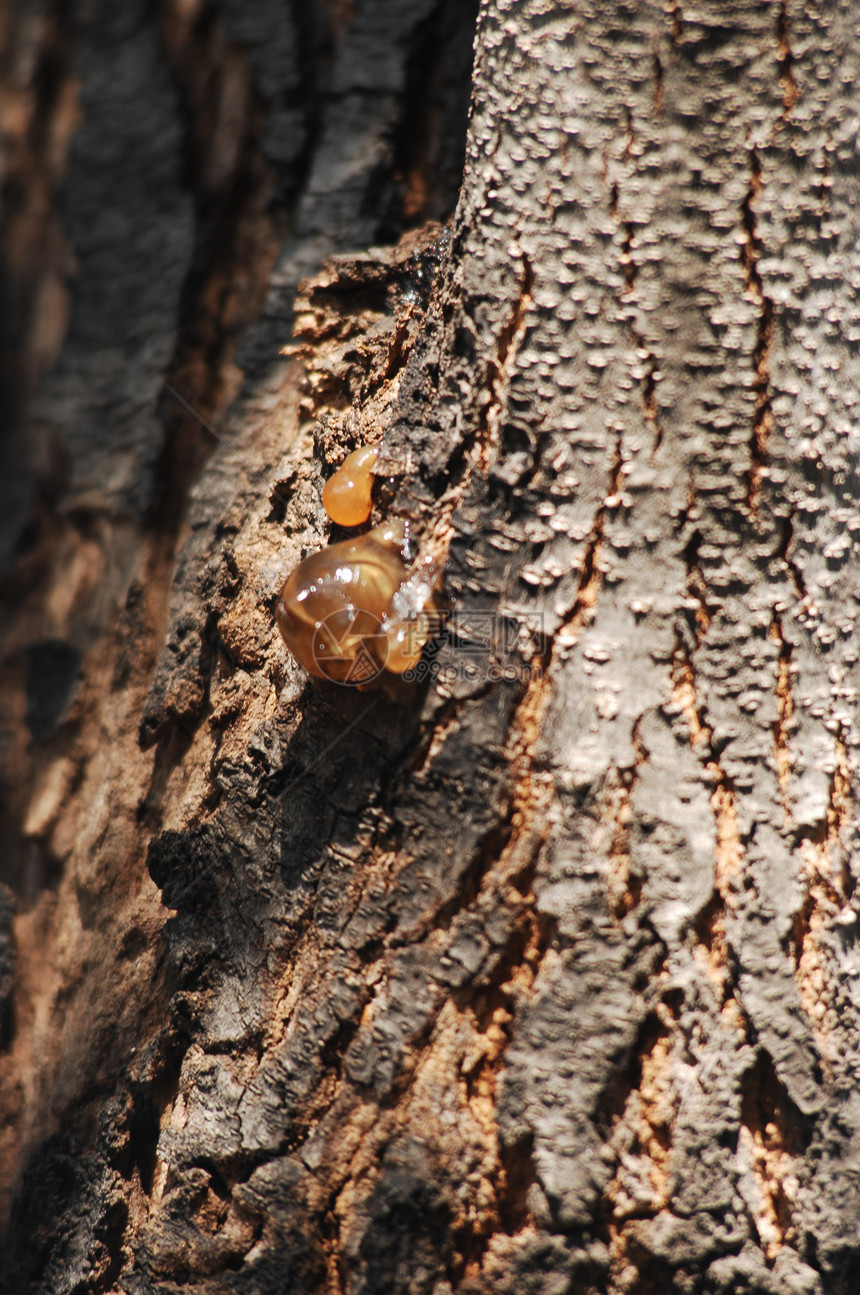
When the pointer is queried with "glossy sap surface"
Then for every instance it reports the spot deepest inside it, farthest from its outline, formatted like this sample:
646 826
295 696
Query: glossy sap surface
346 494
333 611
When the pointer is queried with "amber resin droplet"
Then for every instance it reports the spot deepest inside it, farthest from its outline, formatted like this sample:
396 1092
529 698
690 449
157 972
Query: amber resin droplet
409 624
346 494
406 641
352 610
331 609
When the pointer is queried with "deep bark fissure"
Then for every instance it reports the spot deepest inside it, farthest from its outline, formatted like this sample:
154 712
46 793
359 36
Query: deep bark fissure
752 252
238 228
650 362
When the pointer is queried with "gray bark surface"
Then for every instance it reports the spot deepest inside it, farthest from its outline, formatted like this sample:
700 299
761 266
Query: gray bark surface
540 975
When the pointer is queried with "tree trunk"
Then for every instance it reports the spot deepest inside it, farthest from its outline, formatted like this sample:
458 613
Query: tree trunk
539 972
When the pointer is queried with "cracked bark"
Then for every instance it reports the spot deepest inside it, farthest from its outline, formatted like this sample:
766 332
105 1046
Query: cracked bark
541 977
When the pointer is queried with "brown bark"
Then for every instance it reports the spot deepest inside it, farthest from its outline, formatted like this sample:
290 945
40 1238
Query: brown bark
541 974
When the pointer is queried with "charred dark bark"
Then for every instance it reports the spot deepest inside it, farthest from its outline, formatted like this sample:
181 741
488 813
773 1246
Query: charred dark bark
541 974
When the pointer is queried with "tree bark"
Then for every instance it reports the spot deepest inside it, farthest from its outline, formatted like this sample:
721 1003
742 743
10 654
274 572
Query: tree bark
540 974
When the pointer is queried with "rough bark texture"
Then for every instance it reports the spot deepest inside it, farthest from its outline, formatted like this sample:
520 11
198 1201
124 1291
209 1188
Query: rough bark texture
542 976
